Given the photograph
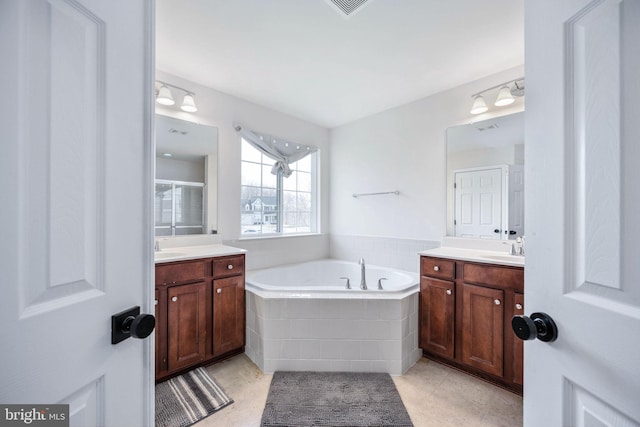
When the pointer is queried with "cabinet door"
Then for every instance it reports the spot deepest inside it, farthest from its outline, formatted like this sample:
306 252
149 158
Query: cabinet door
437 312
228 314
186 319
518 310
482 328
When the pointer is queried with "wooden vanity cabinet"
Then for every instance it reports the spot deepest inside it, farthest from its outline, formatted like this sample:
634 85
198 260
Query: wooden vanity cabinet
186 325
228 304
516 344
437 306
483 328
465 317
194 323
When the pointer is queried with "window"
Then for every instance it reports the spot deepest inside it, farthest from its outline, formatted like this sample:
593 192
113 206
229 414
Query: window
273 204
179 208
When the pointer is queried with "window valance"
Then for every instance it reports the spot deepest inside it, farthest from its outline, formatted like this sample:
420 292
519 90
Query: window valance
282 151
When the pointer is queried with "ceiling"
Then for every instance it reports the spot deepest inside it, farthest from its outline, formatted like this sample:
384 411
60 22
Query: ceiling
306 59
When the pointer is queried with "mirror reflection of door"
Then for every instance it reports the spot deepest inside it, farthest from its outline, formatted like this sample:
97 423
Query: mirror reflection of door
516 201
489 202
478 203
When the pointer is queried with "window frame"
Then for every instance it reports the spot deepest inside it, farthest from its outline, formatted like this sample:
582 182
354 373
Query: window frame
314 217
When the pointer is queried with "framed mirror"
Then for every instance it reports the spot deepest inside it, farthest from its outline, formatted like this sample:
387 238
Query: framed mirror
485 178
186 177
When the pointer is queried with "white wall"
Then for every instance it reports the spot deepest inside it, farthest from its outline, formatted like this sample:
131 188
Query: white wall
221 110
400 149
485 157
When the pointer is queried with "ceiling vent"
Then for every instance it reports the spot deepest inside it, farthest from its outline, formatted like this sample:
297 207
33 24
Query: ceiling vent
181 132
347 7
491 126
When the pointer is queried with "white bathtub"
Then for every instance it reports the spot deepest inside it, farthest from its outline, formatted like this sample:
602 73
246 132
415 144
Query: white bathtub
301 317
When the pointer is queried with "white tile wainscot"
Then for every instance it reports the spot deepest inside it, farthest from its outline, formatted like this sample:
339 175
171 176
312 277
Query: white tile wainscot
356 335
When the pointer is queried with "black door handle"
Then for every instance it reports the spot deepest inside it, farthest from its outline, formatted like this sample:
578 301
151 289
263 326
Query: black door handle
497 230
539 325
130 323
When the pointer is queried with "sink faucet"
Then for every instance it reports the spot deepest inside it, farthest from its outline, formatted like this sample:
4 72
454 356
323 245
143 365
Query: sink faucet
519 249
157 246
363 280
520 240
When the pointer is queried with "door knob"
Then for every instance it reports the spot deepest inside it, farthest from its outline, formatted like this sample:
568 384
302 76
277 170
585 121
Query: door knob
539 325
130 323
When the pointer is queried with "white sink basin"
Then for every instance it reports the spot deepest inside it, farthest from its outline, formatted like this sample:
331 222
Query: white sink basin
506 258
164 255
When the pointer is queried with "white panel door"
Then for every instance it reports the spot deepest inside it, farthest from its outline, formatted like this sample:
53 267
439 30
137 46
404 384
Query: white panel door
76 173
516 201
478 203
582 203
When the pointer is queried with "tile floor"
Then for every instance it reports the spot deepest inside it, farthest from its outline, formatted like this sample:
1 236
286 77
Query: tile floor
434 395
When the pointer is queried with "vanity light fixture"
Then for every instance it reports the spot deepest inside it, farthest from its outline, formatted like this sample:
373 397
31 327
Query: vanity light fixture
165 97
479 106
505 95
188 104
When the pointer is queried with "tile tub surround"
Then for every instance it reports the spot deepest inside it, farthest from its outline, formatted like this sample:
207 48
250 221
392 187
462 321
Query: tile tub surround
354 335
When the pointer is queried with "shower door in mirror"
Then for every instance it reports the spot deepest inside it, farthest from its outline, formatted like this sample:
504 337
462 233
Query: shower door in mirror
179 208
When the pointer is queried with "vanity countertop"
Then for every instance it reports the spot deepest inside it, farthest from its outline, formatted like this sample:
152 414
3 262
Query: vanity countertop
182 253
476 255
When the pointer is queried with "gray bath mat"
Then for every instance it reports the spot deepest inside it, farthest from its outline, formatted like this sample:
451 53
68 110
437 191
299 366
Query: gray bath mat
188 398
334 399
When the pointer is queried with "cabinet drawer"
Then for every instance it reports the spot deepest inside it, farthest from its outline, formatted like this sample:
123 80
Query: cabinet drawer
228 266
503 277
438 267
180 272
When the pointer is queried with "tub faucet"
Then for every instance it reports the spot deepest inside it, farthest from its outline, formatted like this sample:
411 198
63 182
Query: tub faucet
363 279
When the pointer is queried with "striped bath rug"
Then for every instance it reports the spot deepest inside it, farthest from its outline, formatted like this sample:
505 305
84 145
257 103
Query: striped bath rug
188 398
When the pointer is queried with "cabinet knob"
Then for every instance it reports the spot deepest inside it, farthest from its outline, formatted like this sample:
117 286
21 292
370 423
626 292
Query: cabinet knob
174 299
449 292
518 306
436 268
496 301
230 267
219 290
